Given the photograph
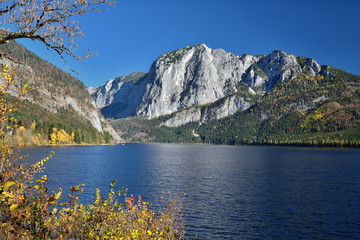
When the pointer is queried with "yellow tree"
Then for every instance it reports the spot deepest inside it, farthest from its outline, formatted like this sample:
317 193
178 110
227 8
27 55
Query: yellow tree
33 126
53 136
60 136
5 109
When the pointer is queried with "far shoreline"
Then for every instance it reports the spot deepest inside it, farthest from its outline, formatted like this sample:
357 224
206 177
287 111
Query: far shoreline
184 143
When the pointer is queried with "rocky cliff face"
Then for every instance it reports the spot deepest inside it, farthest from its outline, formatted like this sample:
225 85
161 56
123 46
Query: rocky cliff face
114 89
196 76
220 109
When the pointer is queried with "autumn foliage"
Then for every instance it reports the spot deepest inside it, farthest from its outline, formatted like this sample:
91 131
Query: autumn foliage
28 210
51 22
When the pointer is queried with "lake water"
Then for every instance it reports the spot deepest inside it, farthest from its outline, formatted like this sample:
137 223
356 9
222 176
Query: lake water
236 192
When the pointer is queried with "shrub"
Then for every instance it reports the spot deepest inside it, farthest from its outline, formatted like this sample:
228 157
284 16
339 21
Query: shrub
29 211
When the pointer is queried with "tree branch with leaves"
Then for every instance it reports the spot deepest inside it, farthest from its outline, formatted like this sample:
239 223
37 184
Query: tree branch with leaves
52 22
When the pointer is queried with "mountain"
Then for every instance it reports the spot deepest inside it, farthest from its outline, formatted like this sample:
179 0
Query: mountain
196 76
55 98
197 94
114 89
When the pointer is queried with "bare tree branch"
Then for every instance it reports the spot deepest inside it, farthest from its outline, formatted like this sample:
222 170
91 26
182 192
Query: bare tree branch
51 22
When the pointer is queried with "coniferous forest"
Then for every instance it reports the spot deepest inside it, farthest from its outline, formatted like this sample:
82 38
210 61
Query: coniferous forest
305 111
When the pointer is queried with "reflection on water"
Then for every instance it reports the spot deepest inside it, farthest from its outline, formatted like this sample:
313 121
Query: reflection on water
235 192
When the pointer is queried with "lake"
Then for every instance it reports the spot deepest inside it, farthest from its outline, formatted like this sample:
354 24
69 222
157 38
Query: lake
236 192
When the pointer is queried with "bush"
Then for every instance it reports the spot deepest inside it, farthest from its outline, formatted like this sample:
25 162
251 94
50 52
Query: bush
29 211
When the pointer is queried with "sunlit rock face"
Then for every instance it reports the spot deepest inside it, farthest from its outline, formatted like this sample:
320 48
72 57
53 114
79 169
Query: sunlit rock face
197 76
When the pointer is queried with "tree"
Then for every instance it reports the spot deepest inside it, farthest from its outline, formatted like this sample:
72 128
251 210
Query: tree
77 136
5 109
52 22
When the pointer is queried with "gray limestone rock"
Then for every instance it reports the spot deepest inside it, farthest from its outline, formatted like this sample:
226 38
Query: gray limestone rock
181 81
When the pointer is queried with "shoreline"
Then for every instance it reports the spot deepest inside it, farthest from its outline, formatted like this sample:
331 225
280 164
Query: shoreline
251 145
69 145
184 143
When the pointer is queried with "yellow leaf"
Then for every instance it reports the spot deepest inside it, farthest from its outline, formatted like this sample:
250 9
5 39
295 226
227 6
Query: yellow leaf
14 207
9 184
6 194
51 199
58 194
42 179
113 182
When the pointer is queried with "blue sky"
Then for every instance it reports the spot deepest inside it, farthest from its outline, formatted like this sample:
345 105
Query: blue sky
131 35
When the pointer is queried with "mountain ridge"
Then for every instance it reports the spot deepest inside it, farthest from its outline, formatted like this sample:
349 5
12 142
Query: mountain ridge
197 75
52 93
200 95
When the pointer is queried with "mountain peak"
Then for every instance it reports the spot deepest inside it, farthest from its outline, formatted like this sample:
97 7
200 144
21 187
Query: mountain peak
200 45
198 75
280 52
178 53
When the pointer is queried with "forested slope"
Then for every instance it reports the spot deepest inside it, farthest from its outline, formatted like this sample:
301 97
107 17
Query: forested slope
57 107
320 110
